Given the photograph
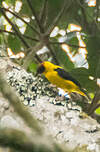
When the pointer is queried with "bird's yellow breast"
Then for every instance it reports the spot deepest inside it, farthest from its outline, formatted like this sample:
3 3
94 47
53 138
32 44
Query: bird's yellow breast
55 79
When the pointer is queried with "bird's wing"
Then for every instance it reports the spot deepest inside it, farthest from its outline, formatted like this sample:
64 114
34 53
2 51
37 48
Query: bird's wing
66 75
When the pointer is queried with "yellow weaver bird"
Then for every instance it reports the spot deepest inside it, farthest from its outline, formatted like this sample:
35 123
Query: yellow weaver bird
59 77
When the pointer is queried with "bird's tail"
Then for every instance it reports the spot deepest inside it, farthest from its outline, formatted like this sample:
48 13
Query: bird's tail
83 93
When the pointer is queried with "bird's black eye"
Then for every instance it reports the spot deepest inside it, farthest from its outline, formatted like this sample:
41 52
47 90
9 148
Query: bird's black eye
41 69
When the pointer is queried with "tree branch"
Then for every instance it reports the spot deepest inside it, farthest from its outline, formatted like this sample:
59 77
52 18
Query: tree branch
58 17
17 16
31 54
85 23
30 38
97 9
38 58
16 139
19 141
35 15
43 13
94 103
13 33
4 31
19 108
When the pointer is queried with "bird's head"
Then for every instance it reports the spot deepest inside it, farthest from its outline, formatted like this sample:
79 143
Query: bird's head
45 67
41 69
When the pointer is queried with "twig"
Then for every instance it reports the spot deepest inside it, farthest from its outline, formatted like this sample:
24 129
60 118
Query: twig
9 94
38 58
98 66
85 23
13 33
14 28
58 17
97 94
94 104
4 31
52 53
97 9
30 38
35 15
97 106
43 13
31 54
71 45
17 16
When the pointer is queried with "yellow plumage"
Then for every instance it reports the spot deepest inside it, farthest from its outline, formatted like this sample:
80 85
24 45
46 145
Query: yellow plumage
59 77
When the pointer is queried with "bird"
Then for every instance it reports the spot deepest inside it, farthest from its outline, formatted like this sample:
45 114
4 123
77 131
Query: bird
61 78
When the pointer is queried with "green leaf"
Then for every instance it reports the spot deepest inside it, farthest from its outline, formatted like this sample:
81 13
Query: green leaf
72 40
36 4
10 2
32 68
82 75
1 3
71 35
54 7
0 39
97 111
29 32
70 15
25 10
93 47
90 13
14 43
63 59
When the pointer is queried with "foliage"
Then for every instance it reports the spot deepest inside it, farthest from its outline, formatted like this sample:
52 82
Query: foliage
19 140
38 18
43 16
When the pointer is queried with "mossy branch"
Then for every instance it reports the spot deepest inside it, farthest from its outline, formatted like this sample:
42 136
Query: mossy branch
19 108
18 140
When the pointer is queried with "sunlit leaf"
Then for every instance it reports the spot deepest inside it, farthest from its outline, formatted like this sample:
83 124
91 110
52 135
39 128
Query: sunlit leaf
97 111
